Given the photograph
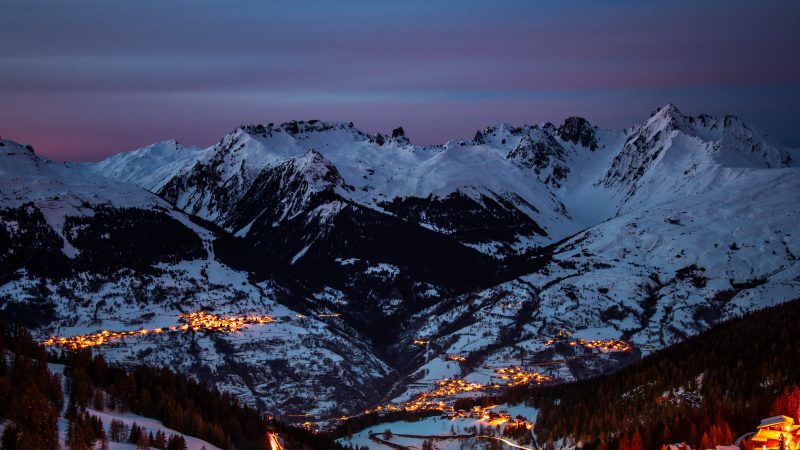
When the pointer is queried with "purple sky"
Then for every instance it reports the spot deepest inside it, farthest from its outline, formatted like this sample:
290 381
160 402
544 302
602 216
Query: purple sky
83 79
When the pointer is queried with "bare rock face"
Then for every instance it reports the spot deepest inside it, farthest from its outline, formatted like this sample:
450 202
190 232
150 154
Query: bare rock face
578 131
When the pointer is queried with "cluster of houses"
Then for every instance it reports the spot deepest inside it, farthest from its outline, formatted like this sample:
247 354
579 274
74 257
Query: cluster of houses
773 433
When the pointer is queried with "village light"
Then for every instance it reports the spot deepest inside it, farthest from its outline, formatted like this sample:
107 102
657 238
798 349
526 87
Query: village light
195 321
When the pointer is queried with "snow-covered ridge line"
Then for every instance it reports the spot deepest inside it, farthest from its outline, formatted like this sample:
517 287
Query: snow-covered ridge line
562 179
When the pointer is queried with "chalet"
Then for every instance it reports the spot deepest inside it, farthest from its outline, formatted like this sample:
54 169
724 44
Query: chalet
770 431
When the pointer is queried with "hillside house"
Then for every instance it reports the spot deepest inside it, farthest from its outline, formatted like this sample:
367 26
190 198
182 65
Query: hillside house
770 431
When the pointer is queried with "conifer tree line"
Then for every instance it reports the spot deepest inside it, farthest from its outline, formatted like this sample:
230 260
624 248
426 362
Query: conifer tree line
86 432
31 397
32 400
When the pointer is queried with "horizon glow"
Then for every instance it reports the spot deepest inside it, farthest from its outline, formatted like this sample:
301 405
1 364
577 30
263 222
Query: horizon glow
83 80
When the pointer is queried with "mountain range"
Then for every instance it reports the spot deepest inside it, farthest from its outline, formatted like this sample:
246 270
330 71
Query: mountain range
387 266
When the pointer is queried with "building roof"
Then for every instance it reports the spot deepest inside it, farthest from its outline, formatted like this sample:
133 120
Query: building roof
776 420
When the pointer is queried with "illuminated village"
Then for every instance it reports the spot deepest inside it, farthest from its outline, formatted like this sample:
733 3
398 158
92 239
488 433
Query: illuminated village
443 394
195 321
613 345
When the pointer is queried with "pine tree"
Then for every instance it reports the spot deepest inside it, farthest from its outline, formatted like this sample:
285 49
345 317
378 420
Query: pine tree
160 440
115 430
133 437
788 403
706 441
72 407
143 443
97 400
176 442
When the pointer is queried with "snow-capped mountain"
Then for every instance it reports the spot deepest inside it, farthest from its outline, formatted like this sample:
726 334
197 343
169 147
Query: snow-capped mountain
492 249
83 253
368 170
149 166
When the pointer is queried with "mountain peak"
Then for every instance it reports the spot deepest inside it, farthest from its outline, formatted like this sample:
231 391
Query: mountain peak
163 147
317 169
9 147
668 115
295 127
16 155
399 136
313 157
578 131
300 127
668 110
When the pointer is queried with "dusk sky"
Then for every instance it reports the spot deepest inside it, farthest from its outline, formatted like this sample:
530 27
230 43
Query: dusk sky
80 80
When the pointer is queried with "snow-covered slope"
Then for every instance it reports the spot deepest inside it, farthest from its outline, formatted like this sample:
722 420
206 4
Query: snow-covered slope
651 278
706 214
28 177
673 156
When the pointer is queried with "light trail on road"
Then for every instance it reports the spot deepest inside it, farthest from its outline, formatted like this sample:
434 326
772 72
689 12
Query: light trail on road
506 441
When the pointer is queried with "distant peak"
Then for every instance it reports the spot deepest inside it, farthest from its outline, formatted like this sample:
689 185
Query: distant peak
667 110
311 126
296 127
399 136
377 138
731 120
7 146
502 131
668 117
317 169
578 131
575 121
168 143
